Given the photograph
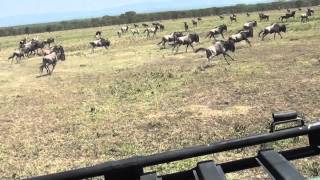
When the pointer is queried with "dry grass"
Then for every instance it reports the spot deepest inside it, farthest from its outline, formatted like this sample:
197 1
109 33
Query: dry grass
148 100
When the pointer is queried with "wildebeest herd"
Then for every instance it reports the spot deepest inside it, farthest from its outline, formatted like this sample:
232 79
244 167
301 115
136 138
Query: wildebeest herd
51 55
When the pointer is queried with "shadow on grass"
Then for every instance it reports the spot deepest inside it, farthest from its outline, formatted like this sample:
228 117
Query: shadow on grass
43 75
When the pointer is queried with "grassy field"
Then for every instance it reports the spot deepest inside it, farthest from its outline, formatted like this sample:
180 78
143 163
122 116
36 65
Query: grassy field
135 99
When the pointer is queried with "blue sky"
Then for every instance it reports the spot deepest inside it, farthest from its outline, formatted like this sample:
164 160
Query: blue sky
18 12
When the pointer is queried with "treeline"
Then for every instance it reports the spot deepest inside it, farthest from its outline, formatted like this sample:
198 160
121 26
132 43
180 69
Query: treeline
133 17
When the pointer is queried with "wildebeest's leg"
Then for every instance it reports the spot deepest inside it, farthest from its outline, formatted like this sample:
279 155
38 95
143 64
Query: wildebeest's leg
192 47
178 48
280 34
224 55
222 35
247 40
187 47
229 56
274 36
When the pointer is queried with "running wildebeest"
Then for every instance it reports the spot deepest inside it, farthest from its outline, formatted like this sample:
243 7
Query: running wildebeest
98 34
136 25
250 24
263 16
186 26
273 29
242 35
52 59
100 43
135 31
170 38
220 47
248 15
124 29
186 40
119 33
194 23
32 46
218 30
18 54
233 18
151 31
199 19
49 41
287 16
304 17
221 17
145 25
161 27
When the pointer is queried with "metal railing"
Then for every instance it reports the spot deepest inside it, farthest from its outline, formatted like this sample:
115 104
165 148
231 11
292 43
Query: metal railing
133 168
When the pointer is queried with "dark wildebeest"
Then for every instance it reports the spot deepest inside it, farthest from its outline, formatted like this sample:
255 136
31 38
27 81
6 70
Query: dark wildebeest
17 54
194 23
119 33
100 43
242 35
186 40
145 25
186 26
98 35
263 16
287 16
52 59
233 18
136 25
151 31
248 15
218 30
170 38
273 29
199 19
161 27
220 47
221 17
250 24
49 41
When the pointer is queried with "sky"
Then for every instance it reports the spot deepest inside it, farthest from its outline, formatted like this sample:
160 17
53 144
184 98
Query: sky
19 12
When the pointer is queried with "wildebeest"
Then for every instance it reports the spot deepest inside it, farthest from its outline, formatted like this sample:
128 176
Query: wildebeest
49 41
119 33
273 29
100 43
221 17
250 24
161 27
52 59
186 26
287 16
194 23
218 30
32 46
98 35
17 54
263 16
187 40
220 47
199 19
248 15
170 38
242 35
124 29
136 25
233 18
145 25
135 31
151 31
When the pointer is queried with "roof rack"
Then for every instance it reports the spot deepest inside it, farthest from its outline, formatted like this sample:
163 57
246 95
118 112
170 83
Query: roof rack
276 164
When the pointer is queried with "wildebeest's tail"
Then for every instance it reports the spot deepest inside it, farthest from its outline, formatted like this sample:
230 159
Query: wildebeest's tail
200 49
11 57
261 33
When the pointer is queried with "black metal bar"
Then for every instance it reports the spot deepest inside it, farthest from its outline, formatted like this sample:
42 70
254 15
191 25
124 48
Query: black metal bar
209 170
170 156
248 163
277 166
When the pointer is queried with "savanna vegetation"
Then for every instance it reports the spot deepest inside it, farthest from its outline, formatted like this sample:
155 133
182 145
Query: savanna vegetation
138 99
